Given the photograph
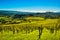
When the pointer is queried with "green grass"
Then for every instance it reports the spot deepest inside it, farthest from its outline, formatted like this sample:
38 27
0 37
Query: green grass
46 35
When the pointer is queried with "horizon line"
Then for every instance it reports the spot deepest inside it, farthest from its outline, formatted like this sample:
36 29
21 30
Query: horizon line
41 11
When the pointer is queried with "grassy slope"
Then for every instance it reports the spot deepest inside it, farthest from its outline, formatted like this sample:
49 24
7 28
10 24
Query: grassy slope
33 35
46 35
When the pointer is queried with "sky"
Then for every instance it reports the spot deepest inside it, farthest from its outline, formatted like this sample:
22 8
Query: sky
30 5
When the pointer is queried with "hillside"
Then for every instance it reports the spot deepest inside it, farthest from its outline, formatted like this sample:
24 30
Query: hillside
17 14
16 25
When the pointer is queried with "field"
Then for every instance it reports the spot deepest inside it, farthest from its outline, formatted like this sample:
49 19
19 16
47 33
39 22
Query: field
26 27
26 34
46 35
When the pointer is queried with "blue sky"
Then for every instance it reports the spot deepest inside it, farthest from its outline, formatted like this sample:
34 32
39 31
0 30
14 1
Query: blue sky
31 5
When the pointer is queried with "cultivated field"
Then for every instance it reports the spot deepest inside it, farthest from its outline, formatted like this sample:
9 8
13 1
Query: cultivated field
30 28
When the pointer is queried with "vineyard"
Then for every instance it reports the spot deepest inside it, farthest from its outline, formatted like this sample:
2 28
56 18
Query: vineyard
29 27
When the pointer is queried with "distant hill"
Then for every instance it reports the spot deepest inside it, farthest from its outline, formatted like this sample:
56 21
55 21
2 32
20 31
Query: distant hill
4 12
17 14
